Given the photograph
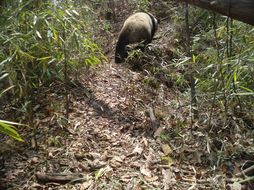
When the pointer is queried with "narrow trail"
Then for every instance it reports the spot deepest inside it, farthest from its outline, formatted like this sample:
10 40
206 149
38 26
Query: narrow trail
113 127
110 140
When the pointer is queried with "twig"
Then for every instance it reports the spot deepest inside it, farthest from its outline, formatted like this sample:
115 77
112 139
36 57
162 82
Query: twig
247 171
154 121
247 180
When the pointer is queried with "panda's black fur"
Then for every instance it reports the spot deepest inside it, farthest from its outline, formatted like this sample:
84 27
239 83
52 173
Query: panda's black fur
139 27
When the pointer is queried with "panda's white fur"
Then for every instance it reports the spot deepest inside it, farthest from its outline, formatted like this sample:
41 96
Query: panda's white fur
137 28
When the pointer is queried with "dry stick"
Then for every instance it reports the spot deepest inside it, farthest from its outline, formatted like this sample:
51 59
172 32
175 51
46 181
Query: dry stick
194 111
30 112
65 76
228 51
229 32
216 83
249 179
234 88
154 121
231 38
247 171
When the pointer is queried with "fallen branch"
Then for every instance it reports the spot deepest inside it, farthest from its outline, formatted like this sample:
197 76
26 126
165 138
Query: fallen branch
59 178
238 9
247 171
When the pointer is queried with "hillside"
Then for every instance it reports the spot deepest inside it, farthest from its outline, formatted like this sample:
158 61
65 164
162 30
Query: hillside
129 127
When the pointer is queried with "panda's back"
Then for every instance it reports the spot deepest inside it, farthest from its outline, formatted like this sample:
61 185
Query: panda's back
138 27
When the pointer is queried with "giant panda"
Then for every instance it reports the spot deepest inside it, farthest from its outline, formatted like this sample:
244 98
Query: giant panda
139 27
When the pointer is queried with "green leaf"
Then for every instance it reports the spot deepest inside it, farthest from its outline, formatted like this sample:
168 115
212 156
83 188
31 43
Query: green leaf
247 89
193 58
10 130
235 77
44 58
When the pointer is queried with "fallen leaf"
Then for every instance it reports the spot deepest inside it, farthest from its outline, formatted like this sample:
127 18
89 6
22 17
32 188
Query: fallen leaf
168 178
145 141
36 186
154 178
235 186
86 185
96 164
145 171
117 158
135 164
167 160
166 149
126 178
102 171
34 160
137 150
158 132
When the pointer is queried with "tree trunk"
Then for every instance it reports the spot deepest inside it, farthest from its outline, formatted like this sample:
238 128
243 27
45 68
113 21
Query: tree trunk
242 10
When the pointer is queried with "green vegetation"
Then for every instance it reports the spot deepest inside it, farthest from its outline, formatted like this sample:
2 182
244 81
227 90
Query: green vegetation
42 41
7 128
221 62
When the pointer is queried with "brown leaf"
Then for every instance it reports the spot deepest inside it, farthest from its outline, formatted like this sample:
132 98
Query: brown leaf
126 178
86 185
168 178
145 171
145 141
137 151
117 158
154 178
158 132
34 160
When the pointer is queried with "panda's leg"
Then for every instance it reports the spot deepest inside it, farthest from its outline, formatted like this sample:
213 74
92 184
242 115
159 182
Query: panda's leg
144 43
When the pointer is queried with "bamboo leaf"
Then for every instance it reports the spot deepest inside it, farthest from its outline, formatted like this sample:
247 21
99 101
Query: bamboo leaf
9 130
12 123
243 94
4 75
38 34
75 12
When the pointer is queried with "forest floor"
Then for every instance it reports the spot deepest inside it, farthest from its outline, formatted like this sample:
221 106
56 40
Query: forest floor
112 141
